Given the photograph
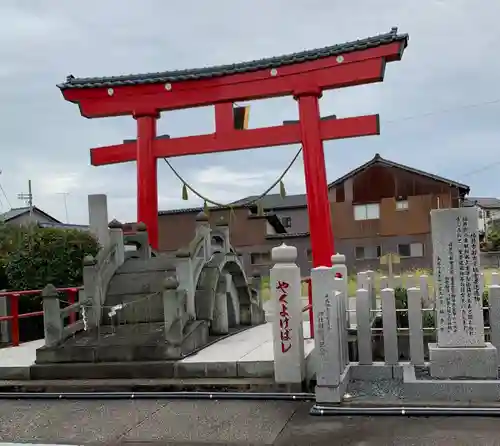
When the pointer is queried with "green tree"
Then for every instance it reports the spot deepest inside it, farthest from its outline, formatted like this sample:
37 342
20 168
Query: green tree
493 239
34 257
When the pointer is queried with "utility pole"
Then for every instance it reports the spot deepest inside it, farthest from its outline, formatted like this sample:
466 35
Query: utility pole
28 198
65 196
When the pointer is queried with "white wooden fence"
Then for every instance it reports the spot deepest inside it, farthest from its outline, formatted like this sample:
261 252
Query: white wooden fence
373 302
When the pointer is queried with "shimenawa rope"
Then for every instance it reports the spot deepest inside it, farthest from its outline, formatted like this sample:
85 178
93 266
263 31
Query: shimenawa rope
186 186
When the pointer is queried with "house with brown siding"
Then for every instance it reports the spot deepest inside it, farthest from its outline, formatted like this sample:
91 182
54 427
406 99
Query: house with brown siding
377 208
383 207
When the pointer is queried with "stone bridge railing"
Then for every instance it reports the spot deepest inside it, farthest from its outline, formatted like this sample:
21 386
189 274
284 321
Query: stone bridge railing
97 273
191 260
179 297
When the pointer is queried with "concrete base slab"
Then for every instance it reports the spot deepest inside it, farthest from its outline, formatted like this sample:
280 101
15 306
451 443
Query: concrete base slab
462 390
247 354
469 362
15 362
375 371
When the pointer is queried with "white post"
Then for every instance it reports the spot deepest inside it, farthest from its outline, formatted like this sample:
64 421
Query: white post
98 218
494 306
397 282
424 289
495 278
391 353
339 269
289 362
385 282
373 292
364 329
416 331
326 326
411 281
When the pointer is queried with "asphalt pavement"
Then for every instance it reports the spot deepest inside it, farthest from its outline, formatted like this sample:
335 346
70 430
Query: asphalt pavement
190 423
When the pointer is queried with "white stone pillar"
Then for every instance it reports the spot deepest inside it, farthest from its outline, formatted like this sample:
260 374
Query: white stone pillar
98 218
326 326
339 269
289 362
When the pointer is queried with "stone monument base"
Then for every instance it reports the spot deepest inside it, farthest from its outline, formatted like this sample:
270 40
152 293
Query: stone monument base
463 362
333 394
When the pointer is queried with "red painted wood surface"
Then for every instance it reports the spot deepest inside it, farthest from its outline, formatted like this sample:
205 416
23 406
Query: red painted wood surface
358 67
304 80
236 140
14 315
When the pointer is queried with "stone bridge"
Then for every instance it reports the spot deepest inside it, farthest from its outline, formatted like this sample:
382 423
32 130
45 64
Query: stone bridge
140 305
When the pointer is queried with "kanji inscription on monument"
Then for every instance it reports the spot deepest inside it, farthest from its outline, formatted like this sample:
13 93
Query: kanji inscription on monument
455 242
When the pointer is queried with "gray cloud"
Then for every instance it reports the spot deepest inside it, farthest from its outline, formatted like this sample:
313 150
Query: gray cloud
450 62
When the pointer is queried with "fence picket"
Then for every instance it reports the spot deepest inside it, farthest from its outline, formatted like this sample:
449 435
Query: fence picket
415 326
365 355
391 353
494 305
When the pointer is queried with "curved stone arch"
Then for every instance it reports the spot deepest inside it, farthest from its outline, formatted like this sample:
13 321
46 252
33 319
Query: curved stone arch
212 291
217 243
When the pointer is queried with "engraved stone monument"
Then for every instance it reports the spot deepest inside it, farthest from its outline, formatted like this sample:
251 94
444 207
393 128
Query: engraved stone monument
461 351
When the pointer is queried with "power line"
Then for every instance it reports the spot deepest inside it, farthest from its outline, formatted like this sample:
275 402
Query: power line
450 110
443 111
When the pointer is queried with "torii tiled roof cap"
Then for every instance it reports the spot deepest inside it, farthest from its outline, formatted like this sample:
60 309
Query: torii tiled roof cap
243 67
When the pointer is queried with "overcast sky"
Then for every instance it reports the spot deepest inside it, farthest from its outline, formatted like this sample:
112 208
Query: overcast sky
439 106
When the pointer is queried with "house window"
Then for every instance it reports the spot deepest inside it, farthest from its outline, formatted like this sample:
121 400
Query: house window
367 211
488 214
260 258
368 252
411 250
402 205
480 213
309 254
286 222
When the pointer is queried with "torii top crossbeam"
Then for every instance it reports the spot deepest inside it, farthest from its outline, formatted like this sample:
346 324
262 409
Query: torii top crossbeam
304 75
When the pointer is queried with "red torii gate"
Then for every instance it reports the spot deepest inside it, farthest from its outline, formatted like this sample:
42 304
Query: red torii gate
304 75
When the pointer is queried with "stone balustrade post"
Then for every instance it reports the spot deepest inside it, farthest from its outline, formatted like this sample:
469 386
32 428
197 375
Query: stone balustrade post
116 239
257 285
285 284
144 251
174 310
203 230
185 272
223 228
92 291
53 323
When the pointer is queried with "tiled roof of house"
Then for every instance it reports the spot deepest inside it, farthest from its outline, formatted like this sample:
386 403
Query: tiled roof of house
483 202
271 201
276 201
17 212
243 67
377 159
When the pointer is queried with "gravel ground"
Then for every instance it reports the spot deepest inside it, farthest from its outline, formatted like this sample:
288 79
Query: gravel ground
386 389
